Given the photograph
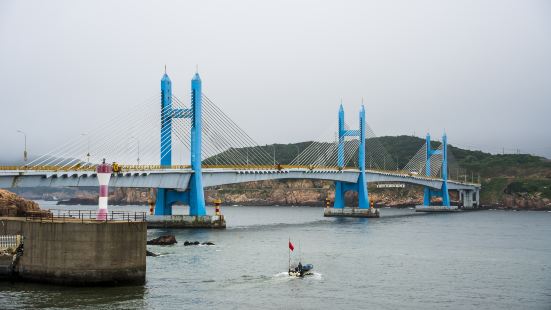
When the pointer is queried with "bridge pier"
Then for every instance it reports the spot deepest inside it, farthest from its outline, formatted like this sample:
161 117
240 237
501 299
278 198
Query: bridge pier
194 195
443 191
469 199
339 208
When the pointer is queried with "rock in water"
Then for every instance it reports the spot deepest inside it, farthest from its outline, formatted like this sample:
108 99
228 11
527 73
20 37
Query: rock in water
163 240
13 205
188 243
149 253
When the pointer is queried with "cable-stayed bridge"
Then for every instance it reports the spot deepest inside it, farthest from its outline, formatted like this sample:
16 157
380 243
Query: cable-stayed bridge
180 149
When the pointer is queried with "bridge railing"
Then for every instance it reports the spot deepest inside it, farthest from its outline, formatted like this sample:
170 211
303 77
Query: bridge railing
9 242
91 168
275 167
48 168
57 215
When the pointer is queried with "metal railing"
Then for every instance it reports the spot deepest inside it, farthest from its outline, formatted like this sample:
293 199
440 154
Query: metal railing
56 215
9 242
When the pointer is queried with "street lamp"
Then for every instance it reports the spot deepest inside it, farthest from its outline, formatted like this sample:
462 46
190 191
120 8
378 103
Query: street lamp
88 147
25 151
138 142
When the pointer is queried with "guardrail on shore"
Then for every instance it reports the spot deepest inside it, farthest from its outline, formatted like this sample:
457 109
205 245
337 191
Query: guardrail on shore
9 242
85 215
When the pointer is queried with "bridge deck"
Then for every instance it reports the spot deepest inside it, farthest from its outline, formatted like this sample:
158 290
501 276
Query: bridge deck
178 178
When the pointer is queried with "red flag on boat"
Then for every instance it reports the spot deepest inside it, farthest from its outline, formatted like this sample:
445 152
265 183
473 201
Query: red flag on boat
291 246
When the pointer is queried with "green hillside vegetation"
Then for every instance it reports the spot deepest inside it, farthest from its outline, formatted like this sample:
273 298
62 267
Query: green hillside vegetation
500 174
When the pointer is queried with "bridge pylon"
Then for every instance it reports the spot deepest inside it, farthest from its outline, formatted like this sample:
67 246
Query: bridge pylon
360 186
443 191
194 195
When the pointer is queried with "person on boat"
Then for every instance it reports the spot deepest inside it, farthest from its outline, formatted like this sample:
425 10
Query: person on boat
299 266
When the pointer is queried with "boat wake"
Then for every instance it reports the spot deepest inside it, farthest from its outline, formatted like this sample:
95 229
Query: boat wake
285 276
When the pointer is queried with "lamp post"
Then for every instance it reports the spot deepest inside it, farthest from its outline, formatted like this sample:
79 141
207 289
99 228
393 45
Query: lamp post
138 143
87 146
25 151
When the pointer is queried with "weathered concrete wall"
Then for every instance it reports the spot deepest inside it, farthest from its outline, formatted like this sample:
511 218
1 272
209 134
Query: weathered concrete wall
186 221
5 265
89 253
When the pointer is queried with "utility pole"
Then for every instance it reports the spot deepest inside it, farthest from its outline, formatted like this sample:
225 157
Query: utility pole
274 155
138 143
88 147
25 151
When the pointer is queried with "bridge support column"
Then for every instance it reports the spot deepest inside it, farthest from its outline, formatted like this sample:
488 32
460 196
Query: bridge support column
339 195
339 208
443 191
162 207
363 195
340 186
194 195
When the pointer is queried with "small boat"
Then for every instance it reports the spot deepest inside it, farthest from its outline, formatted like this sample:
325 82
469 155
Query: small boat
299 270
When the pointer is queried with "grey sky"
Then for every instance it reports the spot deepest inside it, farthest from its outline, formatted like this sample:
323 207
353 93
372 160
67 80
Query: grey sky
481 70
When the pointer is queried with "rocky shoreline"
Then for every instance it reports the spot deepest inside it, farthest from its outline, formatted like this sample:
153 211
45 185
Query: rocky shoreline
298 193
13 205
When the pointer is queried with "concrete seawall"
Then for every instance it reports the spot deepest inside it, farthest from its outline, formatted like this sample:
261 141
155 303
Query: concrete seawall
79 252
186 221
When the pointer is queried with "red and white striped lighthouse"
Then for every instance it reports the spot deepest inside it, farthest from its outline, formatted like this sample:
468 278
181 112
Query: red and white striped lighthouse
104 174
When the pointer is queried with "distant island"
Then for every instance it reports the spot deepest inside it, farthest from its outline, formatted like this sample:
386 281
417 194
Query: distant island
520 181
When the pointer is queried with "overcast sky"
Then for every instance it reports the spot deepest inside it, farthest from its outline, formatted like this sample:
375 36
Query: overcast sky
480 70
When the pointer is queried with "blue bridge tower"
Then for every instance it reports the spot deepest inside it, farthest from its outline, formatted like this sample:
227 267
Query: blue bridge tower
443 191
194 196
361 185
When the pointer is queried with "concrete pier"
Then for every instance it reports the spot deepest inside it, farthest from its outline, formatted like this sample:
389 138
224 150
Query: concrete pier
436 209
186 221
74 251
351 212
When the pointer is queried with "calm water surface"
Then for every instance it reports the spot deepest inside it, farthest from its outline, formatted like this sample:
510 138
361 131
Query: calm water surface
469 260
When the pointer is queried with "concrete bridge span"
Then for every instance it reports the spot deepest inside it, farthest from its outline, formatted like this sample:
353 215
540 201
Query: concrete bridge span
179 179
